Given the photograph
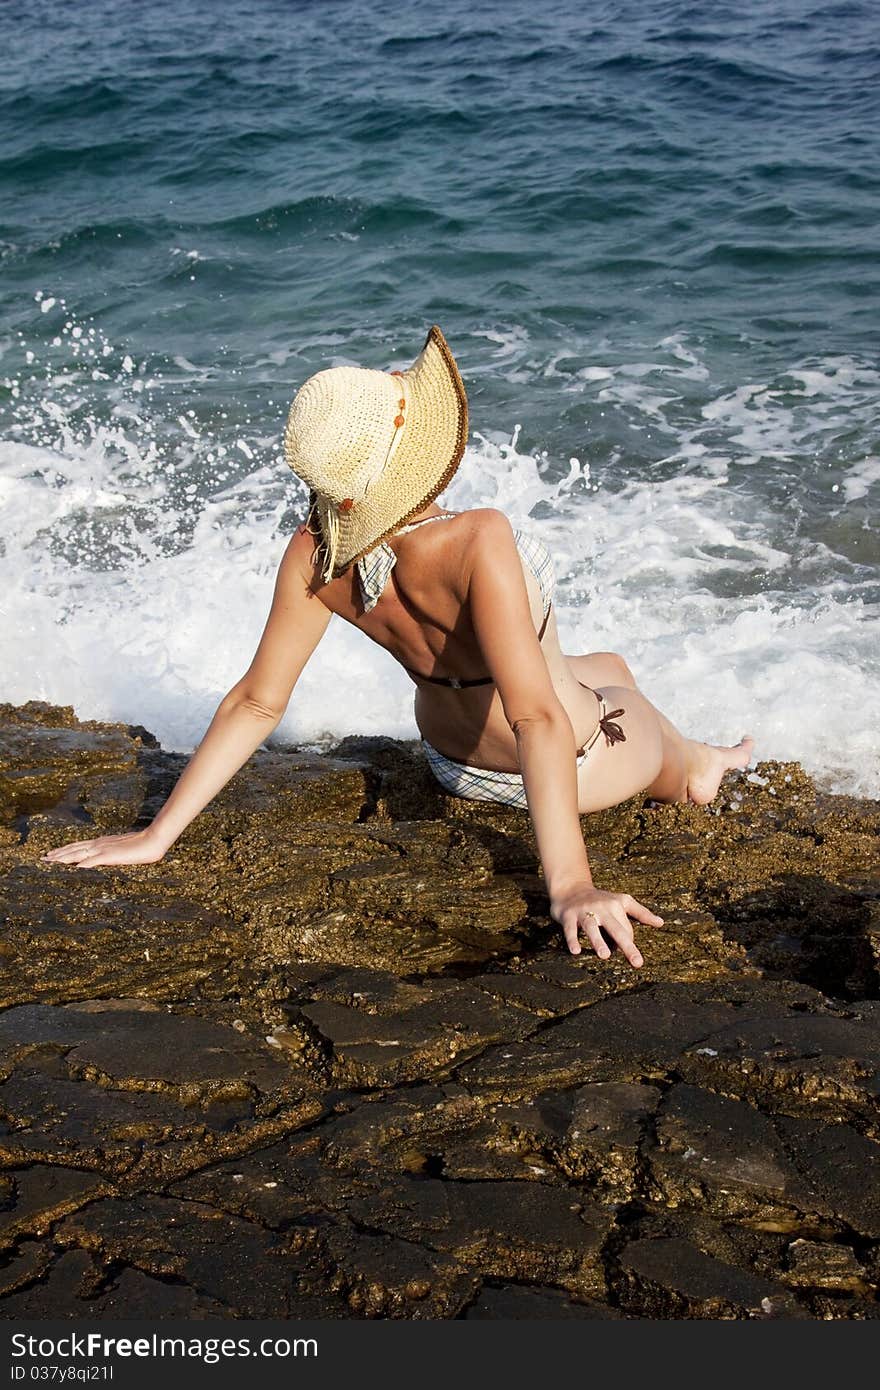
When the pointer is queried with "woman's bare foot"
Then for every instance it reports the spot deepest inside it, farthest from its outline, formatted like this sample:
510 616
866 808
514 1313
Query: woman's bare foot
710 764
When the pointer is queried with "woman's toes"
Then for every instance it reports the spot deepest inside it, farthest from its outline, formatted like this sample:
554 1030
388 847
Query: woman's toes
743 752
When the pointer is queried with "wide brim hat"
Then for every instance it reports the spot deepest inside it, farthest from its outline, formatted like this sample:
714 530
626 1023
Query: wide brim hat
375 448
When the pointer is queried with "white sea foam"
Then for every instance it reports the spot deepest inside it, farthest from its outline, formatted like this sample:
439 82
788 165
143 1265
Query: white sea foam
134 594
859 479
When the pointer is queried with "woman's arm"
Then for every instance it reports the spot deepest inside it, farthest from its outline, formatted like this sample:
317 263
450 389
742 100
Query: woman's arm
545 742
244 719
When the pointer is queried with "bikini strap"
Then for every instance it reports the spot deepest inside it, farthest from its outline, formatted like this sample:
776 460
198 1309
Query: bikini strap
374 568
439 516
452 681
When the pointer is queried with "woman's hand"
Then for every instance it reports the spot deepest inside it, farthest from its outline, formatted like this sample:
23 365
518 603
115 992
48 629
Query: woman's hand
135 847
588 909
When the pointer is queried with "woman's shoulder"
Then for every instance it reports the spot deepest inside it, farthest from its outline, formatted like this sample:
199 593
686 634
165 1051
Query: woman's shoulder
493 541
486 523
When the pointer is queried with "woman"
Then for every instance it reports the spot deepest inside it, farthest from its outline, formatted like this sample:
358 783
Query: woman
465 605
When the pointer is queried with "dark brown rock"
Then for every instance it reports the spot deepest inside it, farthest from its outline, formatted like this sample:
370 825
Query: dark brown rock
373 1049
133 1091
149 1050
27 1263
514 1301
726 1157
402 1130
81 772
800 1062
603 1142
672 1278
524 1230
381 1276
65 1291
812 1265
330 1057
42 1196
843 1167
236 1264
107 936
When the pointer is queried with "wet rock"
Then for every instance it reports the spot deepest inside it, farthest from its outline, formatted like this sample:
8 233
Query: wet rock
726 1157
261 1188
64 1291
401 1130
574 977
812 1265
22 1266
288 789
842 1166
673 1279
513 1141
838 1307
372 1049
106 936
514 1301
758 1249
487 1152
54 1118
380 1276
149 1050
76 1288
245 1269
85 773
807 929
649 1028
129 1092
540 997
774 1172
400 915
43 1195
800 1062
604 1138
515 1070
525 1230
330 1057
636 1033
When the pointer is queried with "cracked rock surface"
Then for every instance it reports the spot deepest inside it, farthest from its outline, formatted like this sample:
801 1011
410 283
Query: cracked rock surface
330 1059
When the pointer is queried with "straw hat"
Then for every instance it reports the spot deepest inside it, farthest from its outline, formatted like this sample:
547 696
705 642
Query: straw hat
376 447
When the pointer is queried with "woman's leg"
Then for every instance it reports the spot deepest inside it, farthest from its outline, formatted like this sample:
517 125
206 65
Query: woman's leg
656 758
602 668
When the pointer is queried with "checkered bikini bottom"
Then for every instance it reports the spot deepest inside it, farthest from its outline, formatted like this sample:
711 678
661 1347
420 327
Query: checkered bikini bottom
482 784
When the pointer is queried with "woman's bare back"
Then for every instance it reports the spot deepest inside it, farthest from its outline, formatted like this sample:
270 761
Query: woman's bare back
422 619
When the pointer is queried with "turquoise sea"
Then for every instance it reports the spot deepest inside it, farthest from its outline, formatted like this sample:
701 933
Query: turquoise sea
650 235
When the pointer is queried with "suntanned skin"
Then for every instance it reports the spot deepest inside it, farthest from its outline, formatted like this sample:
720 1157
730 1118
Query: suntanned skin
460 602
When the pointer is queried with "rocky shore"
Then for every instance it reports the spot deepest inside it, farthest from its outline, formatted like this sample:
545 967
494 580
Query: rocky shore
330 1059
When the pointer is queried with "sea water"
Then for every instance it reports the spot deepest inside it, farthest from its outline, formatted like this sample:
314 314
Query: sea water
649 233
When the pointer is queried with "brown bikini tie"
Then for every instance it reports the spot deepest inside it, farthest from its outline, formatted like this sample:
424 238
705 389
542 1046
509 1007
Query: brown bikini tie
613 732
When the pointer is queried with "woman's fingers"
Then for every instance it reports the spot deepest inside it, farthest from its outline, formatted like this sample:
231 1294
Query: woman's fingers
641 913
621 931
608 912
61 850
597 940
69 855
87 854
613 920
570 931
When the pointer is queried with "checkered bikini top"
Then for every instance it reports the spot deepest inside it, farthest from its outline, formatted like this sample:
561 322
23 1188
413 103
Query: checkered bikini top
374 570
